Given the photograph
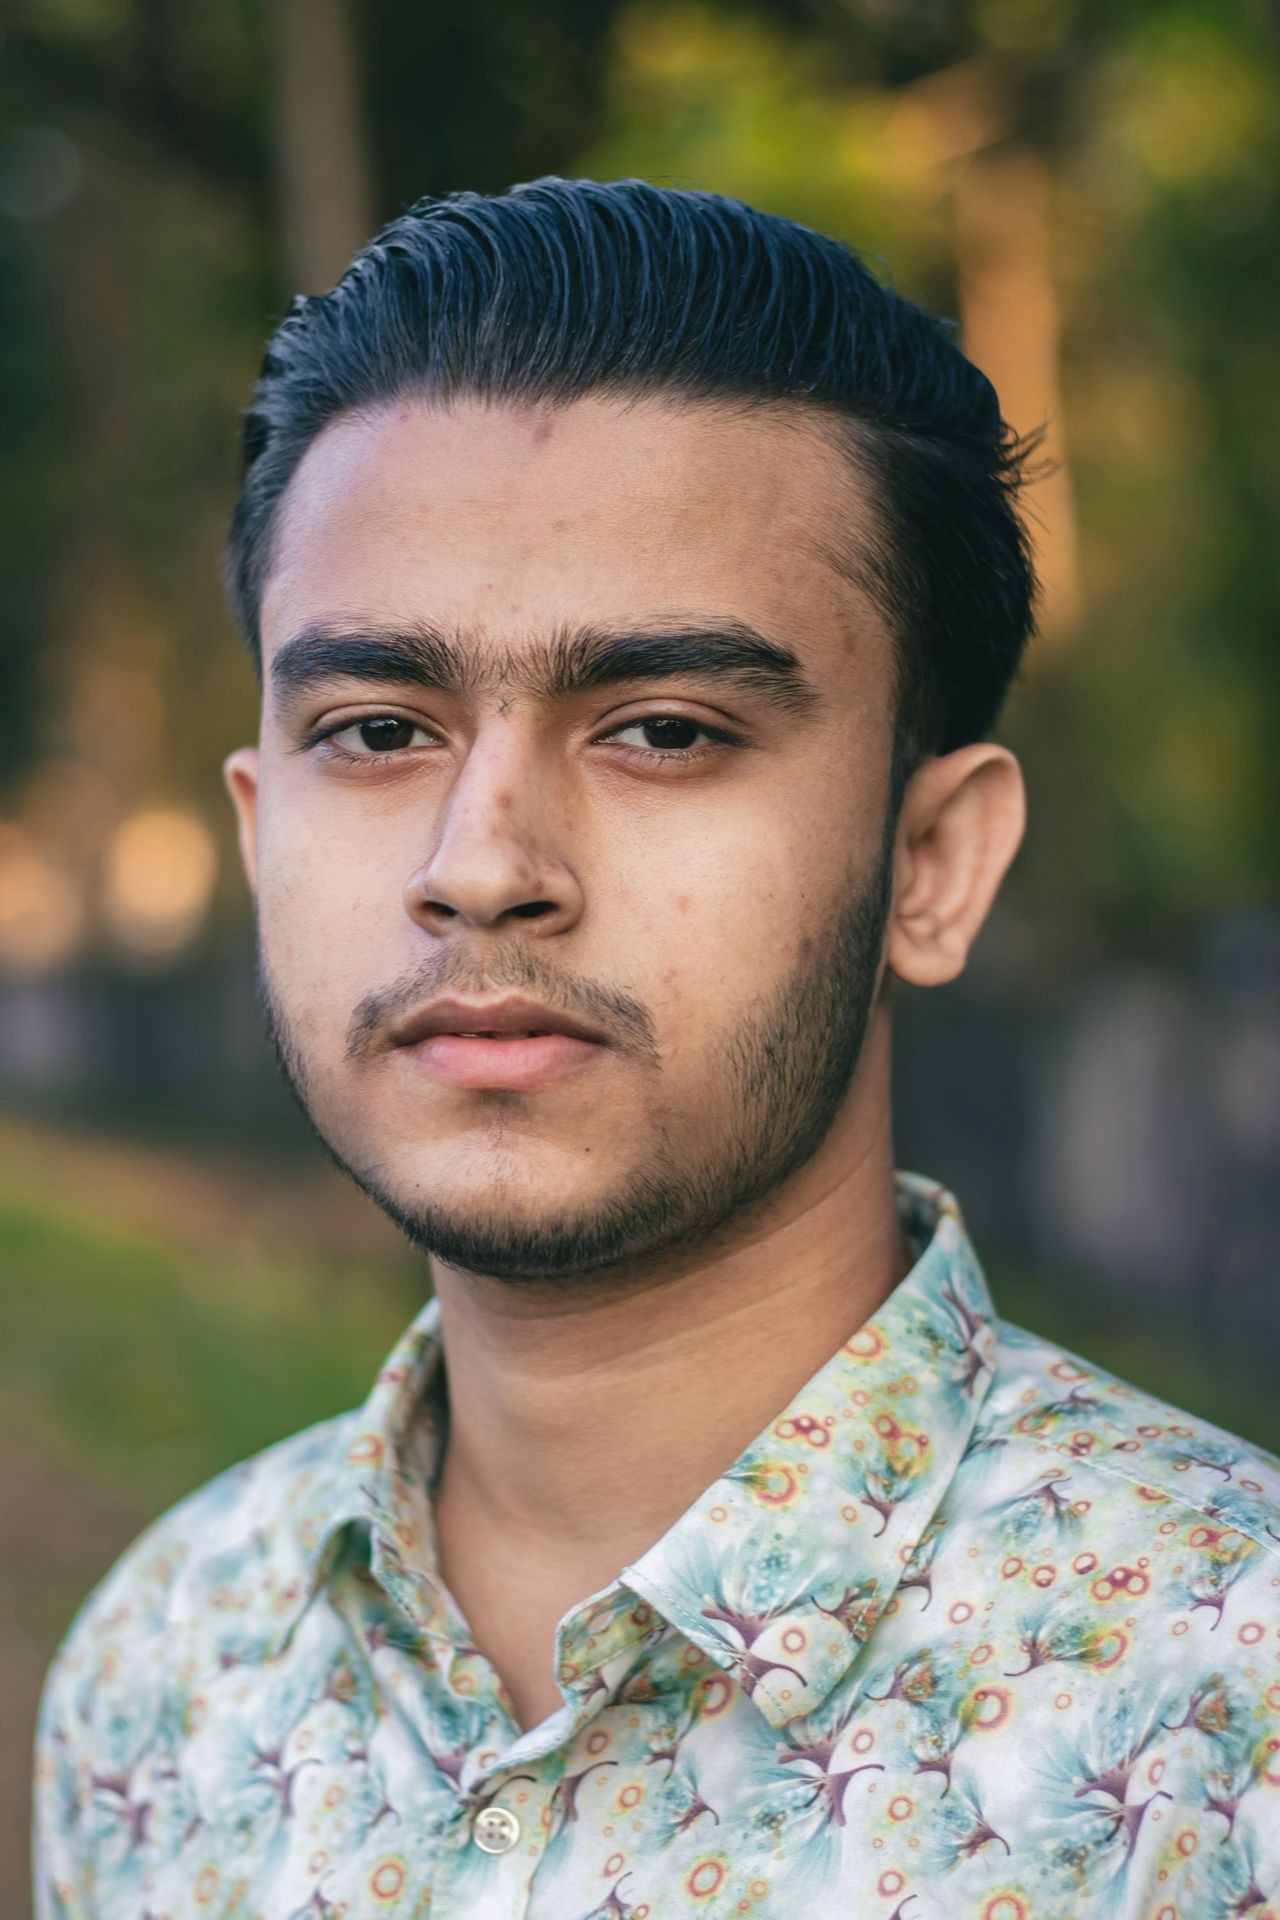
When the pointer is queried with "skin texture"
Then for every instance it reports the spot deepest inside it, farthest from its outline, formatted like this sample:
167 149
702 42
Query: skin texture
712 1195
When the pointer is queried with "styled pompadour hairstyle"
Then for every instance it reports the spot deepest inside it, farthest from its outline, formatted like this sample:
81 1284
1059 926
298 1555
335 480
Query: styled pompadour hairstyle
559 288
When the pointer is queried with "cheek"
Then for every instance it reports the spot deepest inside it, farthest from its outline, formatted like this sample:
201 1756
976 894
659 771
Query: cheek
715 920
326 904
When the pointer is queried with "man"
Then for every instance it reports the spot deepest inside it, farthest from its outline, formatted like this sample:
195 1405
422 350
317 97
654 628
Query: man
634 581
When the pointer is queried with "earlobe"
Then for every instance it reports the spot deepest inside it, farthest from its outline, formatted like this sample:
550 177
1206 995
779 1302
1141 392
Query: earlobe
240 776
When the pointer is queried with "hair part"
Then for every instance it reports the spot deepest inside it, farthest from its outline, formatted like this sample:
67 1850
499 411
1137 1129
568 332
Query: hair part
560 288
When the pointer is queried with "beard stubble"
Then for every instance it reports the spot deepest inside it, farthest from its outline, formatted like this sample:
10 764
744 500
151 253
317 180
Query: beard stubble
779 1078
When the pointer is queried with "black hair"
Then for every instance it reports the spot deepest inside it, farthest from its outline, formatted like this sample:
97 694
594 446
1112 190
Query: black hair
559 288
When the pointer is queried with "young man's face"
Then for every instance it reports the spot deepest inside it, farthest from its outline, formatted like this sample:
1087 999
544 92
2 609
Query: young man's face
477 810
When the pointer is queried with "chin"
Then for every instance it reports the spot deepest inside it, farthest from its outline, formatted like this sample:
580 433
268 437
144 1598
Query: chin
503 1187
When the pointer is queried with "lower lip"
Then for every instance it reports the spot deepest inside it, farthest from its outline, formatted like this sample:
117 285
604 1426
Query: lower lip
520 1064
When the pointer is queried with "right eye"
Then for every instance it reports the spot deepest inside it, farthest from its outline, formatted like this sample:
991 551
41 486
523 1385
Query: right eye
378 735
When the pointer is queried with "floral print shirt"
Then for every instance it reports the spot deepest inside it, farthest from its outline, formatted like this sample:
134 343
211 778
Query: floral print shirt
973 1631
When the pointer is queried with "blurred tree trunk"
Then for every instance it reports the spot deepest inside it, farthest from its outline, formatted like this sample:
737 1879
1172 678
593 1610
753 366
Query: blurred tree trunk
326 201
1010 326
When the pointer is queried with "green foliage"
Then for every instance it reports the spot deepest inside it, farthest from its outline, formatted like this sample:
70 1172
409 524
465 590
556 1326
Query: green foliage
127 1360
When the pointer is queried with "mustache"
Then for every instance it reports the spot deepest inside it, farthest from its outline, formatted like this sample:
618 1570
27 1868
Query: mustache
624 1019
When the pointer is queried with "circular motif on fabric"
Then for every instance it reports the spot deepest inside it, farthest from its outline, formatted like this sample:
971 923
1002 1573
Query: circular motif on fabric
1117 1642
890 1883
387 1880
867 1344
775 1486
716 1693
991 1708
1004 1906
705 1878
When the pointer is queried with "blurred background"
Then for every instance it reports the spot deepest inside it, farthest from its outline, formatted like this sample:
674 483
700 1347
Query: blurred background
1091 190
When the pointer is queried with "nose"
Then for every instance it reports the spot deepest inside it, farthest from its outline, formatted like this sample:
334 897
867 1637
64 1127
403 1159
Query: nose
493 861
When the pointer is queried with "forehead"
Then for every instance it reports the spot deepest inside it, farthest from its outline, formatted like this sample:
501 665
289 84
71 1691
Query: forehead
509 519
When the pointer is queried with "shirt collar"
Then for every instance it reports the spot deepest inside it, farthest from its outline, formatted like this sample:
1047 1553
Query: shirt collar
779 1572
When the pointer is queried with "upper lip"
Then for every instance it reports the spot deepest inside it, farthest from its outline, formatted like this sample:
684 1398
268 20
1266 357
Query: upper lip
489 1016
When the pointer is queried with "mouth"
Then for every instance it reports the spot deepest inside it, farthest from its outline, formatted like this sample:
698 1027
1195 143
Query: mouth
513 1045
517 1061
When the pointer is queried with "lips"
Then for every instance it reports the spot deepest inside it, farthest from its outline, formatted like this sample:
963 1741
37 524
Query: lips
519 1060
494 1033
509 1019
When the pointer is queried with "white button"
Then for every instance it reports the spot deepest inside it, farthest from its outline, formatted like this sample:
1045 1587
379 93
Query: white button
495 1830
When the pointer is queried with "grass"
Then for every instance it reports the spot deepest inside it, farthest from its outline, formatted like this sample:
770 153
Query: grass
143 1365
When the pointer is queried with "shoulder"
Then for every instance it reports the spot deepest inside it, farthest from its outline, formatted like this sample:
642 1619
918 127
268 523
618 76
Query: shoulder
208 1579
1106 1430
211 1584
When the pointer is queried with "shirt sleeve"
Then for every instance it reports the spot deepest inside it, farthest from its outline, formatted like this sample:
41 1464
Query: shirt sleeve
59 1881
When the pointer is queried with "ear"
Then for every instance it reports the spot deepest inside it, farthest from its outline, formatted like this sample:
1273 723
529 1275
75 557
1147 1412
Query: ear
240 775
962 821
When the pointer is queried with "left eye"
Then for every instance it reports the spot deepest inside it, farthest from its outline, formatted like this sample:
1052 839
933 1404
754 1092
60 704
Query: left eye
674 732
383 733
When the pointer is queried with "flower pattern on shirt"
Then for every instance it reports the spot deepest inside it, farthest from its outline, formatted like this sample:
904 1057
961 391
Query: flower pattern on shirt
973 1630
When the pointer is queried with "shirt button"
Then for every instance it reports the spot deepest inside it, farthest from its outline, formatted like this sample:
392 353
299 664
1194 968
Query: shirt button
495 1830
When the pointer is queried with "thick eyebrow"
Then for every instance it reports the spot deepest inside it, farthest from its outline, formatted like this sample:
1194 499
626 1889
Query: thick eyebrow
573 661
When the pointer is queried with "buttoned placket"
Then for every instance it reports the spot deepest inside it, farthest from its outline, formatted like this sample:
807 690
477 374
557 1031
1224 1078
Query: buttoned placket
504 1812
504 1815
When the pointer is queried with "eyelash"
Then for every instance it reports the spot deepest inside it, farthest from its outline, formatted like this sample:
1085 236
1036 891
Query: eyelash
719 736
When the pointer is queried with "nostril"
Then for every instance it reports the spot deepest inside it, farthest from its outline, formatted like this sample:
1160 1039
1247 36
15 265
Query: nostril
532 908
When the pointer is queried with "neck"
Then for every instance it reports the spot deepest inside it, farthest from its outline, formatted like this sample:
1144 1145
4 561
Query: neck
555 1396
